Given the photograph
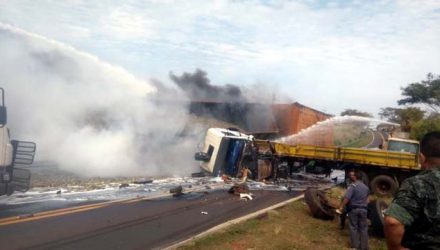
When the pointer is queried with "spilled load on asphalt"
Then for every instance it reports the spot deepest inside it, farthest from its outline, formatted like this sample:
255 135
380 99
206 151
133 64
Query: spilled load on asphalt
13 152
230 152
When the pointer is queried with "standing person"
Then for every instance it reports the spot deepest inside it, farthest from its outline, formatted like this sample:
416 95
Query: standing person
356 202
413 218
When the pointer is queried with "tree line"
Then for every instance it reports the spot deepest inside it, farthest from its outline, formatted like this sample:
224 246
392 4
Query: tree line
419 109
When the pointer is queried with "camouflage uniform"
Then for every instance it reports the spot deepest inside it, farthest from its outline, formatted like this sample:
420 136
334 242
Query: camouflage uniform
417 206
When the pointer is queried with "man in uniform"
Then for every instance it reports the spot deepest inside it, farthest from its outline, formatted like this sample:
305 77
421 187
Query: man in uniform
413 218
356 202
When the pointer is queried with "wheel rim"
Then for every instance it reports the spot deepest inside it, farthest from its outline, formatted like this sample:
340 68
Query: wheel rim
383 187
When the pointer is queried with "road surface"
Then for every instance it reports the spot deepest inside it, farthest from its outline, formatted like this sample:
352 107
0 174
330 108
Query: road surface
131 224
378 139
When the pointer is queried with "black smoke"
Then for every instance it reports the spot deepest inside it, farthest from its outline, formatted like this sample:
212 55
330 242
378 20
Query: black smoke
197 87
227 103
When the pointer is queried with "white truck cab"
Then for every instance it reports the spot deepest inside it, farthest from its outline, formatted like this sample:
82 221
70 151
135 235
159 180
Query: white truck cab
222 151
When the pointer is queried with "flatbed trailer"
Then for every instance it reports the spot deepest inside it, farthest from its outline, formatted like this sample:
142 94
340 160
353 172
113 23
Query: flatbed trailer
360 156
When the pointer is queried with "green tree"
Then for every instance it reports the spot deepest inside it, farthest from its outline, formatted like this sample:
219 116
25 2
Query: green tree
424 126
426 92
355 112
390 114
405 117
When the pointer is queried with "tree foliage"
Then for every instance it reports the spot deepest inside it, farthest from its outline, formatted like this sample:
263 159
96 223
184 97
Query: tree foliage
413 119
390 114
355 112
426 92
405 117
425 126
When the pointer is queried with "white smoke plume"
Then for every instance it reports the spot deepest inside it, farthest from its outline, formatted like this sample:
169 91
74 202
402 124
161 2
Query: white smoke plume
86 115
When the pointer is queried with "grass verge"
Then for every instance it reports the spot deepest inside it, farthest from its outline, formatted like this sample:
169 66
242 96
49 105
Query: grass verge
289 227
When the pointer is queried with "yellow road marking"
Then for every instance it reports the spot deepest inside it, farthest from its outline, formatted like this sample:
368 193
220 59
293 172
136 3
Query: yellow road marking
70 210
53 213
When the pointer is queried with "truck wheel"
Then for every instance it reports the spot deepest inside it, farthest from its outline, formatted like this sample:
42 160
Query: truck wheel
383 185
318 204
375 214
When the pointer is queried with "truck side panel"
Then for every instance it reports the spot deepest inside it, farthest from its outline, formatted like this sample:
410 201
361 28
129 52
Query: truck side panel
353 155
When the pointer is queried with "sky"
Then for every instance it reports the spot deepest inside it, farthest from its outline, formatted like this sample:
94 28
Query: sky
329 55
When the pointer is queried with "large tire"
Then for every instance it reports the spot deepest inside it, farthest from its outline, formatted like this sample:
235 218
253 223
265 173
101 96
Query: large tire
383 185
376 216
318 204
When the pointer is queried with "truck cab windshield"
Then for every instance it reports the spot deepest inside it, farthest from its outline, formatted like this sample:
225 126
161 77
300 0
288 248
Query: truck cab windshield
400 146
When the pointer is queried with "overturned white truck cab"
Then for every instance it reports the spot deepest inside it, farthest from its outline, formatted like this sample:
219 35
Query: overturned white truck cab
222 151
228 152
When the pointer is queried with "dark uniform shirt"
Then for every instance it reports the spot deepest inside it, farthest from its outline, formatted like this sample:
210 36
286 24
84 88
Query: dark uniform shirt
416 205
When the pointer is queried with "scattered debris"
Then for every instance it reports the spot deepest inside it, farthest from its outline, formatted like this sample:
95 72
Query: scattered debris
226 178
246 196
111 189
176 191
244 174
199 174
237 189
142 181
319 205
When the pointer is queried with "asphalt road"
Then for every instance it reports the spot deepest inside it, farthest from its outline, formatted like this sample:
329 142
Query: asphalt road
132 224
378 139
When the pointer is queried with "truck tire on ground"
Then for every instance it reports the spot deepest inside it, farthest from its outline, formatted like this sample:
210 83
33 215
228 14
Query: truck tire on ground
383 185
376 216
318 204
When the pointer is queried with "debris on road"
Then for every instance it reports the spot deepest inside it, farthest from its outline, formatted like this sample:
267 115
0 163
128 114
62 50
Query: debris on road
143 181
126 189
246 196
176 191
198 174
242 190
204 212
244 174
226 178
238 189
